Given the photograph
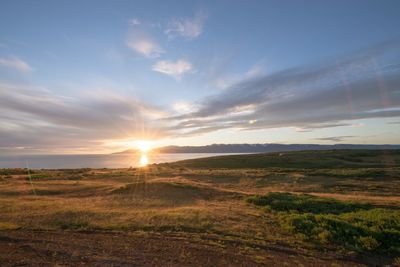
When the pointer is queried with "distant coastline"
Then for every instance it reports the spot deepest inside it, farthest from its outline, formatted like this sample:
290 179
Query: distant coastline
257 148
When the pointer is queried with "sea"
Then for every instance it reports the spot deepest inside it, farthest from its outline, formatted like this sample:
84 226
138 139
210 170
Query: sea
95 161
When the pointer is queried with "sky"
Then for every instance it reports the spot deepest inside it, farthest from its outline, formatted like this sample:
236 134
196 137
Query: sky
96 76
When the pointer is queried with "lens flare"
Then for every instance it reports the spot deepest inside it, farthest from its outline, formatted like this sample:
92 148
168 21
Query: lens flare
144 146
143 160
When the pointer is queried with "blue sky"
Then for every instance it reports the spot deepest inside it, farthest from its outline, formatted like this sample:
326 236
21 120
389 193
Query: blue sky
94 76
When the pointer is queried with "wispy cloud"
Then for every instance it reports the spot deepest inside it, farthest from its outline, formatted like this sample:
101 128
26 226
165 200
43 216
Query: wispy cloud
175 69
135 21
335 138
229 80
16 64
186 27
35 117
182 107
145 47
365 84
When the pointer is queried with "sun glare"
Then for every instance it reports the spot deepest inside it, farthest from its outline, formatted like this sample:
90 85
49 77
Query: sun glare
143 160
144 146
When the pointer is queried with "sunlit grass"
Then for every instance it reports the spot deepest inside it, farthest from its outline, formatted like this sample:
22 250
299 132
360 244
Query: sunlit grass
176 198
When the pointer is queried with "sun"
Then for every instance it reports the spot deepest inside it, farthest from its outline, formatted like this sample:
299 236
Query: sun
143 160
144 146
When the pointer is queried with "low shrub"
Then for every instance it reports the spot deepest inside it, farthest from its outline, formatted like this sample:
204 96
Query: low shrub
14 171
305 203
73 220
354 226
40 176
372 230
345 173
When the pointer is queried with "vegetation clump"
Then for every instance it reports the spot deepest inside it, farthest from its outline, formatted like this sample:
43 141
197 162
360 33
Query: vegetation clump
305 203
72 220
371 230
354 226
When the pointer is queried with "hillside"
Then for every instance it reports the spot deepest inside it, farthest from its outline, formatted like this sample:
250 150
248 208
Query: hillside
302 159
258 148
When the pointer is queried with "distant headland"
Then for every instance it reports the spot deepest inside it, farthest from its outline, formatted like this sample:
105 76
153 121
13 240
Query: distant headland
258 148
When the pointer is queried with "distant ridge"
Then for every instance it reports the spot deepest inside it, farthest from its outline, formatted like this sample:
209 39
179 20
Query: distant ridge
258 148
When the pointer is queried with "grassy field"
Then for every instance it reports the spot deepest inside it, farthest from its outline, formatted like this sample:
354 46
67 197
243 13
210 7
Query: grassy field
309 208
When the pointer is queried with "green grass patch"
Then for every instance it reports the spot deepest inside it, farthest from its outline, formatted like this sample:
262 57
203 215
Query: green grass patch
371 230
305 203
357 173
41 176
49 175
13 171
354 226
310 159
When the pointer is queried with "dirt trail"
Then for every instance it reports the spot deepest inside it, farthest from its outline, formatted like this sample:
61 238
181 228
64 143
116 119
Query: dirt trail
64 248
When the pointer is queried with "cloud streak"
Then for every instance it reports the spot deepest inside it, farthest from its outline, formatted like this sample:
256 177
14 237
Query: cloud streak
135 21
335 138
363 85
335 93
189 28
34 117
175 69
145 46
15 64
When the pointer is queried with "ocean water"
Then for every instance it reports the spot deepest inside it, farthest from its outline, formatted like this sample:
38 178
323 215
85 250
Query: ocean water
92 161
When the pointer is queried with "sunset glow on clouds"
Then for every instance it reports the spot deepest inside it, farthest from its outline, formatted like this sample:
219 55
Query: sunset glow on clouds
197 74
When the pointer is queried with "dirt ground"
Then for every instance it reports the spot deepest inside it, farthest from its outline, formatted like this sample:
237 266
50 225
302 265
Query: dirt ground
68 248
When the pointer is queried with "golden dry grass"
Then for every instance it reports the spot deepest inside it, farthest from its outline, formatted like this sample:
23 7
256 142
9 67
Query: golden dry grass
172 198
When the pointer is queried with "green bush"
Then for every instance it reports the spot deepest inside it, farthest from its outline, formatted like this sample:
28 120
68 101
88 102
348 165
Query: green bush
40 176
305 203
351 225
372 230
14 171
